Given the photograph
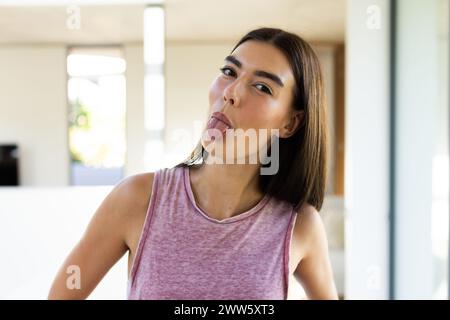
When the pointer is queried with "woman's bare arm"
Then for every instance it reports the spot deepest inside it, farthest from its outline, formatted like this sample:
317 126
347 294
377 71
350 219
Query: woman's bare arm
104 241
314 271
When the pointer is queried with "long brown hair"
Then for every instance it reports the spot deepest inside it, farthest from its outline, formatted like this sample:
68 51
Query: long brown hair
302 172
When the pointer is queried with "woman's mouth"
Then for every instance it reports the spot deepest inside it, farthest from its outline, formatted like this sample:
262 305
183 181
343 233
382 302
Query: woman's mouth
218 123
222 117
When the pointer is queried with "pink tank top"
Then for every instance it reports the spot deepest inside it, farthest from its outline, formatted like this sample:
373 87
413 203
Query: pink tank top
185 254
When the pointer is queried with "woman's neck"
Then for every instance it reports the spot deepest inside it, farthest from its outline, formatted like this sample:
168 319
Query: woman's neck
225 190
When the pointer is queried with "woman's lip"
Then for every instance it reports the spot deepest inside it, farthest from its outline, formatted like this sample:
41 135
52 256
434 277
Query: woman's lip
222 117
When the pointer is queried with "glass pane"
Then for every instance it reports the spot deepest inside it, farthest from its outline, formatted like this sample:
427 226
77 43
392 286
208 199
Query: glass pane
96 91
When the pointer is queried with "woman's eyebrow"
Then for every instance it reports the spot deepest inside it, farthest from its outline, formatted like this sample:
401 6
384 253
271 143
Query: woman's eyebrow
259 73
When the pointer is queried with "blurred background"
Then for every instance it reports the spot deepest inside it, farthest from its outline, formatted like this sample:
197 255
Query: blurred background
92 92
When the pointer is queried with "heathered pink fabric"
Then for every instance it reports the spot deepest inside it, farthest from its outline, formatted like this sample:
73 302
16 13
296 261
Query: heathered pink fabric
185 254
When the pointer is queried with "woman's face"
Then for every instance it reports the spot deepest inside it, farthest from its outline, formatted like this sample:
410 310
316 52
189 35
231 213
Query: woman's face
255 89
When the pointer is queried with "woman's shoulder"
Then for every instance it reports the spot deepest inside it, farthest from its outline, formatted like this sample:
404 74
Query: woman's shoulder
308 230
136 189
128 199
132 197
307 214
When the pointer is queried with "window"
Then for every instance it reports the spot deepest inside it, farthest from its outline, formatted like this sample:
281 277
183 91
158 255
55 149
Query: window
97 115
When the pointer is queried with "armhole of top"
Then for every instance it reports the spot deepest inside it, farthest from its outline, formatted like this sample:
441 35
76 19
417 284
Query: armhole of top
144 231
287 246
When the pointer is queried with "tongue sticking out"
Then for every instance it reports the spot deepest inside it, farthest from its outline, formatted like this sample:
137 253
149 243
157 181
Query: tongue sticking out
216 127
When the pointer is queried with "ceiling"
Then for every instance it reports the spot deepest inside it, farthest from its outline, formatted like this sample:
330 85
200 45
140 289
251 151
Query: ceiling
186 20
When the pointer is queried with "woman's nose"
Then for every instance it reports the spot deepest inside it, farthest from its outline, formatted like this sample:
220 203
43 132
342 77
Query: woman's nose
230 94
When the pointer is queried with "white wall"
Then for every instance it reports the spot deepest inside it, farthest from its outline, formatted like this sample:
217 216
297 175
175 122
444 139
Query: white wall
367 152
135 135
39 227
33 111
422 137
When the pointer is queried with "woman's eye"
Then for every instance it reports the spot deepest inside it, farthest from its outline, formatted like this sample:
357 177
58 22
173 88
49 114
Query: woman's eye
264 88
225 69
229 72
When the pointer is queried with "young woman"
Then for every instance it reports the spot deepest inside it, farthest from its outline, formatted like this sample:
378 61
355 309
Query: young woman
222 229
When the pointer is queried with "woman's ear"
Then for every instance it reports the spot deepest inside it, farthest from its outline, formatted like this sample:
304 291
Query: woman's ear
293 124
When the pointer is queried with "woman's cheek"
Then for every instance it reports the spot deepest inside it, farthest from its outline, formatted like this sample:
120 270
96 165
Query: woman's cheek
263 118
